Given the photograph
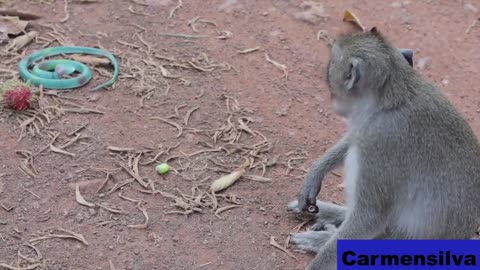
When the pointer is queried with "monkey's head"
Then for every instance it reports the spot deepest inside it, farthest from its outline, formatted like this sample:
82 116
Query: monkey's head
359 66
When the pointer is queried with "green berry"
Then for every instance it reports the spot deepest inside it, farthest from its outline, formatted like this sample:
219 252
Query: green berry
162 168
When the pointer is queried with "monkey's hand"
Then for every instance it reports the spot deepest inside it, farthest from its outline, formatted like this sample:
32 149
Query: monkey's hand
313 180
307 198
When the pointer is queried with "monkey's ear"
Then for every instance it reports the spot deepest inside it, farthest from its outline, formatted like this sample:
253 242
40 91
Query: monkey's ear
374 31
408 54
354 73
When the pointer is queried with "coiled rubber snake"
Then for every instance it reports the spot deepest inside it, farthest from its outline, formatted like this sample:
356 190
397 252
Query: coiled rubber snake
50 73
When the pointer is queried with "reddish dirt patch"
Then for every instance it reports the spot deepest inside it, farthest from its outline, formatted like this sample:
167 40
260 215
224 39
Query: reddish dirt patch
293 113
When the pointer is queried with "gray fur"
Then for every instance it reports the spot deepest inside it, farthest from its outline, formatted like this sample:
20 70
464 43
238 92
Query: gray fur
411 161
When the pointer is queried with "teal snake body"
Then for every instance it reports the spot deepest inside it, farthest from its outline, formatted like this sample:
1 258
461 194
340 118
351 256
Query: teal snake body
49 74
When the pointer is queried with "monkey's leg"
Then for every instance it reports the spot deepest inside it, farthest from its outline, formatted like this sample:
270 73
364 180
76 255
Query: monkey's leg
313 180
328 214
312 241
361 223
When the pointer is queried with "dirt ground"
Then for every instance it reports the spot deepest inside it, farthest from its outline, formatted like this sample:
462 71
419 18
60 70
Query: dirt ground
238 105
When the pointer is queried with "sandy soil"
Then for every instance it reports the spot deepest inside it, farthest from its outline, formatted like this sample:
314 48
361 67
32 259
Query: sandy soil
292 113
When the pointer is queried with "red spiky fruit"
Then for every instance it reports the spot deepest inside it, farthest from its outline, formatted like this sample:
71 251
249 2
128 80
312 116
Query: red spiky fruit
17 99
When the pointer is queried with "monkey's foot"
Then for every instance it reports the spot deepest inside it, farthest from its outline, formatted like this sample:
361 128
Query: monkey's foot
311 241
320 226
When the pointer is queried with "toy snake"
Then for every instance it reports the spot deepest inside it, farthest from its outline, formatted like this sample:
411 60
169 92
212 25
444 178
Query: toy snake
50 73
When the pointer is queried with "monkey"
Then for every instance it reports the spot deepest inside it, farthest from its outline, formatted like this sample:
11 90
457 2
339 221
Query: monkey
411 161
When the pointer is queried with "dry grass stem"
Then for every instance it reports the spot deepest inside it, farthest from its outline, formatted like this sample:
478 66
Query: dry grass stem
134 175
79 198
177 7
30 267
111 209
68 235
250 50
65 10
120 149
145 224
258 178
177 126
102 185
181 35
472 25
323 34
286 251
188 114
225 208
281 67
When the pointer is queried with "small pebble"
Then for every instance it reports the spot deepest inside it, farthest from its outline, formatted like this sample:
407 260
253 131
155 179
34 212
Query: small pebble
93 97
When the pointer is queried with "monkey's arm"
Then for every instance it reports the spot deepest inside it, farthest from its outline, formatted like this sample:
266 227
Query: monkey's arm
312 182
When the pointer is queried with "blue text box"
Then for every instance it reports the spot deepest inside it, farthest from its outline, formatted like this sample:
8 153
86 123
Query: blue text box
408 254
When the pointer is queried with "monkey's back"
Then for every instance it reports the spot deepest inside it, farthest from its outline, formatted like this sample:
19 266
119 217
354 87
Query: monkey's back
432 164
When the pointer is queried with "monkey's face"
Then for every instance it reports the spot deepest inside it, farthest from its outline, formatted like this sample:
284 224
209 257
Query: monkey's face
359 66
343 77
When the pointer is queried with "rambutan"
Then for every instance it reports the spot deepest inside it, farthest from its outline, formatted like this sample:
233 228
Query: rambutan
16 96
17 99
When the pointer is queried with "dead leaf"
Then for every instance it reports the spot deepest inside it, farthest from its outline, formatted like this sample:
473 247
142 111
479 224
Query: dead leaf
348 16
21 42
21 15
14 25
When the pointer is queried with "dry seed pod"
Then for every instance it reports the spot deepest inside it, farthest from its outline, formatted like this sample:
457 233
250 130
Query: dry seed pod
226 180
